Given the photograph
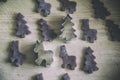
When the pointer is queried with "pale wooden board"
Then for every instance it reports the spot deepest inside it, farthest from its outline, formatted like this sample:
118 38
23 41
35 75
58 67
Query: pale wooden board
107 53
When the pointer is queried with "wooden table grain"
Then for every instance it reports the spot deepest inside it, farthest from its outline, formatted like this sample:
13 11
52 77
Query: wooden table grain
107 52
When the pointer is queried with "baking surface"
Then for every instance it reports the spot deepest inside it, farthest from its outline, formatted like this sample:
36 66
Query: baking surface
107 53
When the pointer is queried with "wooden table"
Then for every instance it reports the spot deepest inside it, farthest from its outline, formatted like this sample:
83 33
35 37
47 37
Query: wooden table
107 52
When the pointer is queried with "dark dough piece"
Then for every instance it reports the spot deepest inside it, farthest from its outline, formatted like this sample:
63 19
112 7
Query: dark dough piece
16 56
43 7
47 33
22 29
88 34
39 77
89 63
114 30
70 6
65 77
99 10
3 0
68 61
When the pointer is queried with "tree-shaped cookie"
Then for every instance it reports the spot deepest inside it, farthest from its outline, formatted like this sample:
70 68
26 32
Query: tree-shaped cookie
99 10
43 57
113 29
89 63
67 32
22 28
48 34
